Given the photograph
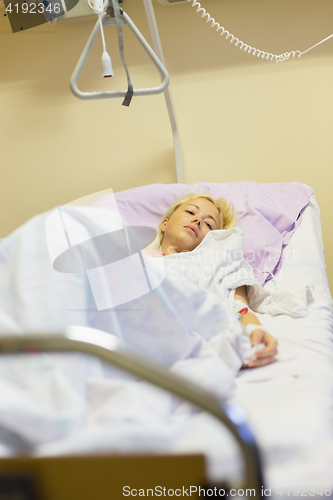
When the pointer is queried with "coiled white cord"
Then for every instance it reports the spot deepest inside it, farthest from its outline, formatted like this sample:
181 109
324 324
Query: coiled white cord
243 46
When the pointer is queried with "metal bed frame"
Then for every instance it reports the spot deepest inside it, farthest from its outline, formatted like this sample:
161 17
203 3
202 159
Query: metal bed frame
108 349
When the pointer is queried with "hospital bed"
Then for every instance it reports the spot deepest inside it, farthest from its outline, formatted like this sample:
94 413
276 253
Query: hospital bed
95 343
287 404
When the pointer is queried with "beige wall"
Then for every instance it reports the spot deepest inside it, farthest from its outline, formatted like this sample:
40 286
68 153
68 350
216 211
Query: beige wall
240 118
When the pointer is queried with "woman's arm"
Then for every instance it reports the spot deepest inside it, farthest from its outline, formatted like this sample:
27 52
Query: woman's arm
258 335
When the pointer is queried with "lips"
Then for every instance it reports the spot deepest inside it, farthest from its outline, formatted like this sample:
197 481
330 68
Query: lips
193 229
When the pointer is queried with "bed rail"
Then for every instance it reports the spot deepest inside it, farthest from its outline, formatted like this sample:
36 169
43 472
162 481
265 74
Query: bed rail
108 349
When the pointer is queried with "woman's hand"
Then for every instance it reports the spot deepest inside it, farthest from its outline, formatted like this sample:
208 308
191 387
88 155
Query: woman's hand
266 355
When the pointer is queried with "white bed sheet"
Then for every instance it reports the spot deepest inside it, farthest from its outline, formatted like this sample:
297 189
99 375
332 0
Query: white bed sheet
290 403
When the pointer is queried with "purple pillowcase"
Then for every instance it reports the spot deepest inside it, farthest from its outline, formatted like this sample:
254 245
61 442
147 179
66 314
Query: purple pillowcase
268 213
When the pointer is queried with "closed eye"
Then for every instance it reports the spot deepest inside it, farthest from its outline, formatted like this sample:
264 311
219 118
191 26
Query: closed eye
192 213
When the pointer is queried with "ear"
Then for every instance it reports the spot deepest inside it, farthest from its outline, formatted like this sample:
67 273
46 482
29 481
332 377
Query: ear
164 225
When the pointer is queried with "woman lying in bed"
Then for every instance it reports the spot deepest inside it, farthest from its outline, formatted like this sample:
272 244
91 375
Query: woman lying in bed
174 320
183 228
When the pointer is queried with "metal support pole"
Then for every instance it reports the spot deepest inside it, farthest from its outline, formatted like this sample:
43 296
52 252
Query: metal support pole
167 93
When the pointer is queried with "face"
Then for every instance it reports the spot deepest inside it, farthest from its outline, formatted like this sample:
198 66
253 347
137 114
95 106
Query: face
188 225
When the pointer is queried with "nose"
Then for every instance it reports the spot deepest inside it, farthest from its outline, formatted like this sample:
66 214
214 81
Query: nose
196 219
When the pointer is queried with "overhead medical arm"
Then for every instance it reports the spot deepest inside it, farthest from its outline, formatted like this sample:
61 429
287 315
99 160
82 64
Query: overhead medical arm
109 349
117 93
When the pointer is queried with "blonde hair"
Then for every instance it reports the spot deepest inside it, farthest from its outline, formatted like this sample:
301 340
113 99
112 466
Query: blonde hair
225 210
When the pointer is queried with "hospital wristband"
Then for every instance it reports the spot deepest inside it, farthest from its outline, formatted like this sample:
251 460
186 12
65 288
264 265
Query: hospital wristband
249 328
240 308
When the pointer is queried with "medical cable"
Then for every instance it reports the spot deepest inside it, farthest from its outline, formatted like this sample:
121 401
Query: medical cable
107 70
316 45
247 48
98 7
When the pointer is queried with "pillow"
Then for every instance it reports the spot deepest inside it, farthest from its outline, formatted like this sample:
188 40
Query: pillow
268 213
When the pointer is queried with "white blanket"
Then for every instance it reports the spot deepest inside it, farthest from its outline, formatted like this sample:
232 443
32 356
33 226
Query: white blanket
59 403
218 265
167 322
